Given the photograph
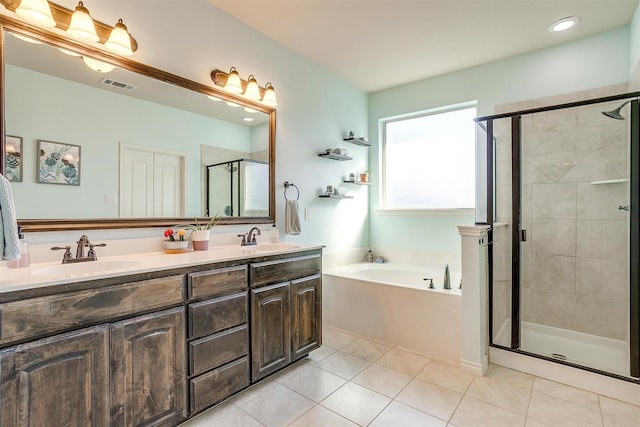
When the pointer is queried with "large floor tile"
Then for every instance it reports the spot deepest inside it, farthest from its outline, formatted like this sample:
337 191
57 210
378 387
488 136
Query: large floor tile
253 392
279 407
398 414
446 375
430 398
533 423
234 418
403 361
368 349
565 392
343 364
337 338
475 413
560 413
291 371
510 375
619 414
382 380
212 415
505 395
315 383
356 403
320 416
321 353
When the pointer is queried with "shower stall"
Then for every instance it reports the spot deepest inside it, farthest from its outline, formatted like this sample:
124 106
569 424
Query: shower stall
238 188
560 191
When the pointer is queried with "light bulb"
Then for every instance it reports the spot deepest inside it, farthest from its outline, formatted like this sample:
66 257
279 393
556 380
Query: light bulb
119 40
99 66
253 90
37 12
269 97
233 85
81 25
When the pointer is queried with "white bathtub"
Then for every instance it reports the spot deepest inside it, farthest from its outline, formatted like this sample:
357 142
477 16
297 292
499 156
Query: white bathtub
393 303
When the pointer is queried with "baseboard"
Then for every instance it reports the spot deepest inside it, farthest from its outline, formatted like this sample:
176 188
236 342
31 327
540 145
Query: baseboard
474 368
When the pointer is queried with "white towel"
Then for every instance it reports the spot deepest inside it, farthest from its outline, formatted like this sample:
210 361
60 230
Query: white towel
291 218
9 246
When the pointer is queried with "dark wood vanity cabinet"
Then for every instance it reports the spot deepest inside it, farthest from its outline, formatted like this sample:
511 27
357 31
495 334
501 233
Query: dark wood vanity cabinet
58 381
218 335
286 319
148 376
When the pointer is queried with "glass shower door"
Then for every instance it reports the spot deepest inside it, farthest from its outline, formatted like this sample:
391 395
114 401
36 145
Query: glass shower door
574 254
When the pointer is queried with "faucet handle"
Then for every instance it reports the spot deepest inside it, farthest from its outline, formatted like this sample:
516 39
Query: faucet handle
67 252
92 253
244 239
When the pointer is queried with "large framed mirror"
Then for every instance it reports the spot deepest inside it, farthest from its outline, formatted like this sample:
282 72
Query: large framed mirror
127 148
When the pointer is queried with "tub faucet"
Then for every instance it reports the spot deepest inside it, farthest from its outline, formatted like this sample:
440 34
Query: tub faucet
447 279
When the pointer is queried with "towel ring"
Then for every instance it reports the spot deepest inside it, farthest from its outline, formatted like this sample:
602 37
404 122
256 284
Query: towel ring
287 185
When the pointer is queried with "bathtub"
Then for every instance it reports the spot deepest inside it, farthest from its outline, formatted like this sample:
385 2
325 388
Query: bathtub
393 303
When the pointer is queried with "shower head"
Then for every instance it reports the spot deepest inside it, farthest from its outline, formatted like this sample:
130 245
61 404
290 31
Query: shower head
615 114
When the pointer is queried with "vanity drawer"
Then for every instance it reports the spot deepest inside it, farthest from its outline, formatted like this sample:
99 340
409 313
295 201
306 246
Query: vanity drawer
215 350
214 315
40 316
218 384
281 270
217 282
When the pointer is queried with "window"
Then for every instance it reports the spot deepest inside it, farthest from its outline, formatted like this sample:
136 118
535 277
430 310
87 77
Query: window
428 159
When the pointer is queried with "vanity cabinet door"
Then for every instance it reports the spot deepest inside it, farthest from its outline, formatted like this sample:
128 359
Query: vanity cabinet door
57 381
306 312
270 329
148 370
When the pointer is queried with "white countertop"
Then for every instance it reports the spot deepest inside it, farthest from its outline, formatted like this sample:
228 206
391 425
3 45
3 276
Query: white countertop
55 273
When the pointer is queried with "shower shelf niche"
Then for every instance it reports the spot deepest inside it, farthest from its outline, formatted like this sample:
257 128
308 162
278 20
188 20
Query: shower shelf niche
610 181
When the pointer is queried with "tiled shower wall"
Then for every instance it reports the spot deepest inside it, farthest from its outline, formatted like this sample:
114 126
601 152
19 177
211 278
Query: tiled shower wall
573 266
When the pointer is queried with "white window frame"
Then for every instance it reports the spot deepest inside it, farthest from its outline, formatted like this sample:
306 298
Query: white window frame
382 208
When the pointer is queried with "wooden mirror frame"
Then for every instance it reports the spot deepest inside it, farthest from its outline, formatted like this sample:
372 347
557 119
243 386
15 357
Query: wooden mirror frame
45 36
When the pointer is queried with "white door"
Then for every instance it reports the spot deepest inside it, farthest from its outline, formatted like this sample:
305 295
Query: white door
151 182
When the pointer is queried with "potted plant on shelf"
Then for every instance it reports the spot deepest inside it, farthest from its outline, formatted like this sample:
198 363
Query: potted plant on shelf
200 233
176 242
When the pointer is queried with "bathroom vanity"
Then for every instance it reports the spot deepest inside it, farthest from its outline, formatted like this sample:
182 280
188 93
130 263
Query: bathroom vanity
151 345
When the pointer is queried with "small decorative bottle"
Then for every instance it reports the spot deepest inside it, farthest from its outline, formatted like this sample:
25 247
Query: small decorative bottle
273 238
25 257
369 256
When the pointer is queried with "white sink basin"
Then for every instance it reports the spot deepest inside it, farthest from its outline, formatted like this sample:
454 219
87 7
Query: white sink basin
89 267
268 247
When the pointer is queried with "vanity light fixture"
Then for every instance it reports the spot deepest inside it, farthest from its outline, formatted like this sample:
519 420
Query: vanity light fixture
269 97
78 24
233 85
232 104
253 90
81 26
214 98
37 12
68 52
563 24
248 89
250 110
119 40
99 66
25 38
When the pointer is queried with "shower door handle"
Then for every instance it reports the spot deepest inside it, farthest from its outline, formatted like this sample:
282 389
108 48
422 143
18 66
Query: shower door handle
623 208
523 235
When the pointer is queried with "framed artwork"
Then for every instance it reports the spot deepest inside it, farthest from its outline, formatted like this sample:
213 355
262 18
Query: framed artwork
13 158
58 163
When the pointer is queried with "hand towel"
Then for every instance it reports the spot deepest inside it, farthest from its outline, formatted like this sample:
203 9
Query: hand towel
291 218
9 244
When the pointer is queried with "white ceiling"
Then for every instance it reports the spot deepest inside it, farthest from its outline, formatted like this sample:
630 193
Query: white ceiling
377 44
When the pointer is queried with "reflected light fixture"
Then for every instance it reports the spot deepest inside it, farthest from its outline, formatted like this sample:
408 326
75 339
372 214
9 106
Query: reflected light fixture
37 12
234 84
563 24
232 104
253 90
214 98
68 52
81 25
99 66
250 110
119 40
25 38
247 119
269 97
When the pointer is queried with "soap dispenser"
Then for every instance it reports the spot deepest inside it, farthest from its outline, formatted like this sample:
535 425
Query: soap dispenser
25 257
273 238
369 256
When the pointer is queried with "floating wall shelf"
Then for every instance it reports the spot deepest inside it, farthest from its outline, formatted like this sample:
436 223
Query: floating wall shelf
356 182
358 141
609 181
334 196
334 156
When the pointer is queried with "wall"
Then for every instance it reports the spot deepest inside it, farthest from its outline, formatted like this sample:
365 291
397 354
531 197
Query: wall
315 107
634 52
600 60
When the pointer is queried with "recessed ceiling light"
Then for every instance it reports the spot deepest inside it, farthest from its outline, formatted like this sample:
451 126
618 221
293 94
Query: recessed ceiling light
563 24
247 119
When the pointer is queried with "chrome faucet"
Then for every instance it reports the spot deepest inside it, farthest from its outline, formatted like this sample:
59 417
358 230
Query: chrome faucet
249 239
447 279
83 241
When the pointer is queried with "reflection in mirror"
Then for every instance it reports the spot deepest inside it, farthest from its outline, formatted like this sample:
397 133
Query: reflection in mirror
237 188
145 143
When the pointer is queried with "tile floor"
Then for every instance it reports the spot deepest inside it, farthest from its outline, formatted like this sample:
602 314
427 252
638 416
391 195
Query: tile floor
357 381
